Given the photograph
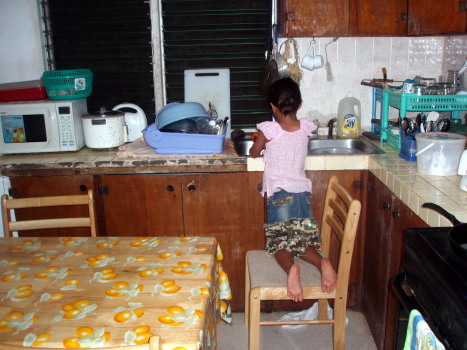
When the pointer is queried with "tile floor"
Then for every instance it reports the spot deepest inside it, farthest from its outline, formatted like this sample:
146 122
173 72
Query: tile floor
313 337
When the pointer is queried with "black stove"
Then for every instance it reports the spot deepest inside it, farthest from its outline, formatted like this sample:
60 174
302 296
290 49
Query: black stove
434 281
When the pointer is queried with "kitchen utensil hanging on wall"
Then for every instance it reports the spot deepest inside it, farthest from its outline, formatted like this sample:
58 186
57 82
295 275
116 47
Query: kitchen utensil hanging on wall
327 65
276 68
292 59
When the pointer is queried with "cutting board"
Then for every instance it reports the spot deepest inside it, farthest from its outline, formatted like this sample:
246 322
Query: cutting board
209 86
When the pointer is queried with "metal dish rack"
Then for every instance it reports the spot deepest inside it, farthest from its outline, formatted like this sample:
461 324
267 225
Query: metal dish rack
415 103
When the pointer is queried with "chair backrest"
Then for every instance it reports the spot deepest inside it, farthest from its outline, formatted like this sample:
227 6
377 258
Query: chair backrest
9 226
340 216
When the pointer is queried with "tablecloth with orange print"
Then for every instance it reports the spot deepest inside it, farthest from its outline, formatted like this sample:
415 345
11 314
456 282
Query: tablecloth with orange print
106 291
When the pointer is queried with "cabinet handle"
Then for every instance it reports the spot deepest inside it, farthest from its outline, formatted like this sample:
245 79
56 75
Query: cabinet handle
396 214
404 16
83 188
386 205
191 188
170 188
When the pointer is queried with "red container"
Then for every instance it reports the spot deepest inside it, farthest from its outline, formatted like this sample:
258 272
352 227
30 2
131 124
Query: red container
22 91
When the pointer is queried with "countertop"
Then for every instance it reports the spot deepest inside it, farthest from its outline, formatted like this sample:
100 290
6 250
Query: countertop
400 176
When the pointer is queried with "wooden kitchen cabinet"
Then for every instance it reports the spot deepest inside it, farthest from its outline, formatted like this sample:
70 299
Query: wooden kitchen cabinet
302 18
378 18
227 206
387 219
36 186
427 17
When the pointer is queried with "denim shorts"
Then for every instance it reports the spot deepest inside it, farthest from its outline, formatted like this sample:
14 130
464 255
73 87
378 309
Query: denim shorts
284 206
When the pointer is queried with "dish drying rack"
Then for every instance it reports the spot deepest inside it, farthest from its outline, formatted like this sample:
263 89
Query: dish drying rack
414 103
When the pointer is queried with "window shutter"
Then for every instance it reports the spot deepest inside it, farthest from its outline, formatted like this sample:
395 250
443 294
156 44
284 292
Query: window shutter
219 34
110 37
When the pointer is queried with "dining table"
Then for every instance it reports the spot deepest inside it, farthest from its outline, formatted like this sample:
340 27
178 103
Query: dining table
98 292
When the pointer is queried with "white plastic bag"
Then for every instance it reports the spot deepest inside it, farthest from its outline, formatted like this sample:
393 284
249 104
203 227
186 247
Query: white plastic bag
310 314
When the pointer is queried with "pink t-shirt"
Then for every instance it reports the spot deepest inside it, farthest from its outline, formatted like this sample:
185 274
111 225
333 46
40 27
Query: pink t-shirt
285 156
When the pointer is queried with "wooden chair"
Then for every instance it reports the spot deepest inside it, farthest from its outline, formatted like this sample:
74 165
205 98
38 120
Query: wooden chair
265 279
9 226
154 344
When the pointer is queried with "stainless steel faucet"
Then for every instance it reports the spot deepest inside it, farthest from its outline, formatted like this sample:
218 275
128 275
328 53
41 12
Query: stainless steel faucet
330 127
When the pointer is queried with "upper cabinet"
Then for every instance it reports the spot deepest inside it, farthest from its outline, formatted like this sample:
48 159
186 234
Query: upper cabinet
304 18
378 18
437 17
314 18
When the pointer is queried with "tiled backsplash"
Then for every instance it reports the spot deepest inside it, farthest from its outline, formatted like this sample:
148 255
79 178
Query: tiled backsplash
356 58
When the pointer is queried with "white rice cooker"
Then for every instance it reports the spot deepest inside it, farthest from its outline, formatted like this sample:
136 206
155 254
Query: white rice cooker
111 129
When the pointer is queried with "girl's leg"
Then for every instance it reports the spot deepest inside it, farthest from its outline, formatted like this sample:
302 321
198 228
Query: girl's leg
294 287
328 275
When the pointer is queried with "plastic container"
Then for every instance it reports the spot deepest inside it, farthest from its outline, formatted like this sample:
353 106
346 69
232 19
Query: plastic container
68 84
348 118
22 91
408 146
168 142
439 153
176 111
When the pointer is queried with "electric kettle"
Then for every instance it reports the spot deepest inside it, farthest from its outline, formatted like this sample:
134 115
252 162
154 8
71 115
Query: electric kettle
135 121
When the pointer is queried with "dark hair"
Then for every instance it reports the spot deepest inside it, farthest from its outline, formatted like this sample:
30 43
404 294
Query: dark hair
285 95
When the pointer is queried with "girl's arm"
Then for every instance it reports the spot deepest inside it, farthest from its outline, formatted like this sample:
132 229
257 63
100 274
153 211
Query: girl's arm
258 145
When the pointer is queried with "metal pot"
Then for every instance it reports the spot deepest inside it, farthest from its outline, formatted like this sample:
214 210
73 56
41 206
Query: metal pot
457 234
104 129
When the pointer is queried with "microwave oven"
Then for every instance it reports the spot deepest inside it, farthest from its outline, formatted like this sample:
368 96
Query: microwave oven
41 126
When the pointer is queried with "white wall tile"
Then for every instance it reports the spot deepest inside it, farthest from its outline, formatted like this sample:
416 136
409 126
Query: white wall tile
355 58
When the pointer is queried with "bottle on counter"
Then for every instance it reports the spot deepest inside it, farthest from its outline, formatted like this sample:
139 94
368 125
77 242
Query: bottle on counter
349 118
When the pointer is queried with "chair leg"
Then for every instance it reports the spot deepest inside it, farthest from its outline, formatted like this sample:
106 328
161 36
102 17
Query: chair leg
339 326
247 293
322 309
254 317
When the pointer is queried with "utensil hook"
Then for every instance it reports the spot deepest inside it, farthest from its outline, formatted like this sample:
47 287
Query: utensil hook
312 47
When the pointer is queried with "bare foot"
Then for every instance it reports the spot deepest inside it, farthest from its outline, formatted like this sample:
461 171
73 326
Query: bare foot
328 276
294 287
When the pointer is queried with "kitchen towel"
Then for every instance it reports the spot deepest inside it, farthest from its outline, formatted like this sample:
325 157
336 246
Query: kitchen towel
419 334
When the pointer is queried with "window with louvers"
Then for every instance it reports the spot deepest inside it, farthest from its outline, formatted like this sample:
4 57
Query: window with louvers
219 34
113 39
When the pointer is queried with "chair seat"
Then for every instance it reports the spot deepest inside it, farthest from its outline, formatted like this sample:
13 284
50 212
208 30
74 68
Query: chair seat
265 272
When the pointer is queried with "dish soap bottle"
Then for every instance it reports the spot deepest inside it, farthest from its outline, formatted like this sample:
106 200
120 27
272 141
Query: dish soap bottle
348 118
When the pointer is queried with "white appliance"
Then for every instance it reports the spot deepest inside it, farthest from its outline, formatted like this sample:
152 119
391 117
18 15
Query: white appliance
462 170
135 121
41 126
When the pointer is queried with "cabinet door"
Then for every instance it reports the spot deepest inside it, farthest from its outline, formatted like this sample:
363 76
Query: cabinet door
142 205
437 17
36 186
387 220
229 207
299 18
378 18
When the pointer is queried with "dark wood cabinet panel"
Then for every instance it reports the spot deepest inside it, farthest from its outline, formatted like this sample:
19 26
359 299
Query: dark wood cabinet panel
36 186
139 205
387 219
378 18
300 18
437 17
227 206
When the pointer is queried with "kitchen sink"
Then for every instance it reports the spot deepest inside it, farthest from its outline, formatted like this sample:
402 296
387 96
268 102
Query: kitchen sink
342 146
322 146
